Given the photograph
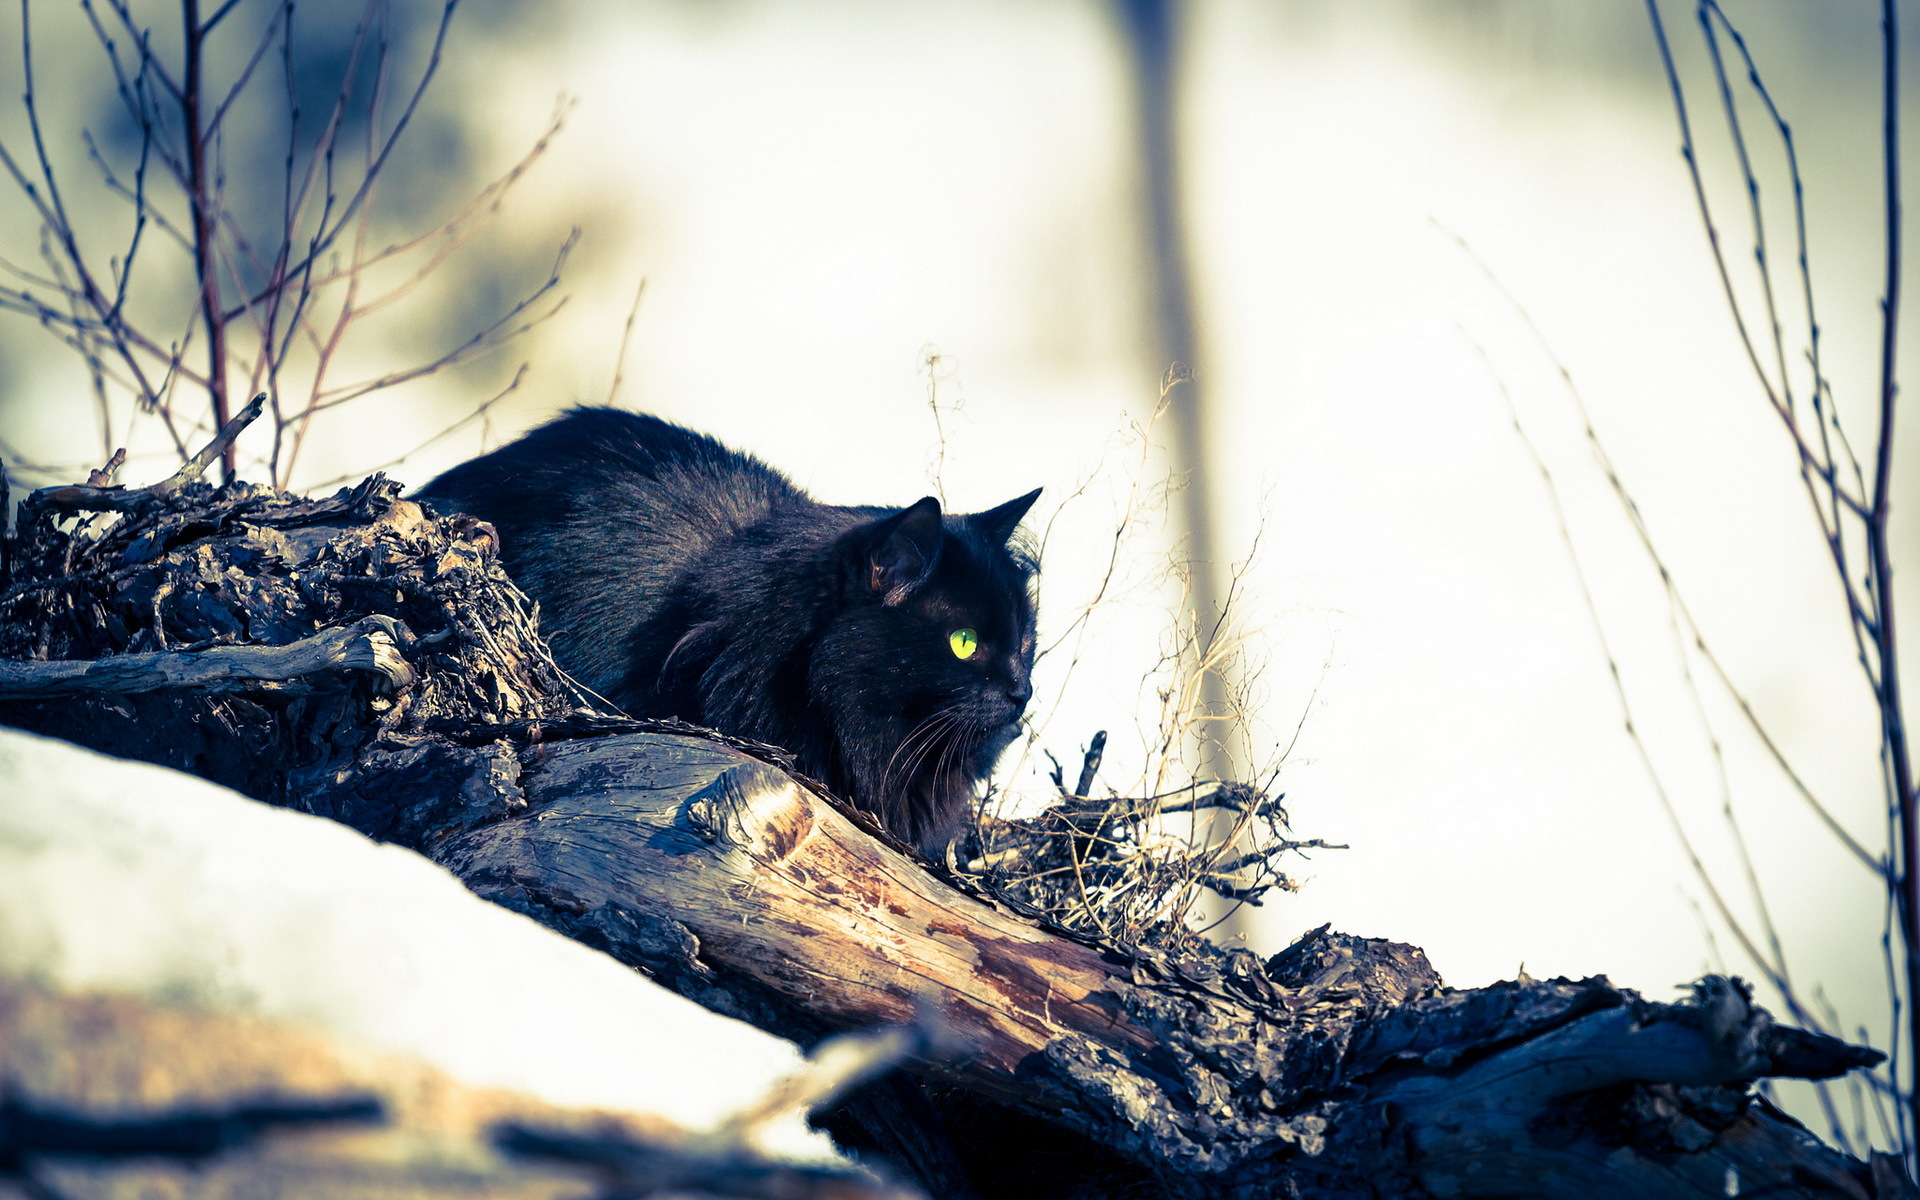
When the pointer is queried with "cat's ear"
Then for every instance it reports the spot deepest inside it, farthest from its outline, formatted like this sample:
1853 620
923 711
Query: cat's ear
902 550
998 524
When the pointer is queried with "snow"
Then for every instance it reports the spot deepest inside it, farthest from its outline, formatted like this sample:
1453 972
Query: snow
120 876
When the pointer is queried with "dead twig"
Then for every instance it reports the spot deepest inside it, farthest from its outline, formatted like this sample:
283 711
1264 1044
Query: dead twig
92 497
371 645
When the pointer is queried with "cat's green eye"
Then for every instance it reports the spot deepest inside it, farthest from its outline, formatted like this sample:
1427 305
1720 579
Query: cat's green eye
964 642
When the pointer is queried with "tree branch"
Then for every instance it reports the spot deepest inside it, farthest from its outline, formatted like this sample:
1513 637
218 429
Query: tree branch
89 498
371 644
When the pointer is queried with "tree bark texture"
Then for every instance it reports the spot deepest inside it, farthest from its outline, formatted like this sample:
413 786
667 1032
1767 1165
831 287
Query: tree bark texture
1339 1068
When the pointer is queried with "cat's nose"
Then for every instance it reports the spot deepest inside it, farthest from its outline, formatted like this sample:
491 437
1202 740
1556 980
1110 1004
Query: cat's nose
1020 693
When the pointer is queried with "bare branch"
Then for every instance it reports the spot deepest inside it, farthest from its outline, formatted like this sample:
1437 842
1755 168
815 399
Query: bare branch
325 237
479 412
218 16
500 331
253 62
96 498
200 195
371 644
1675 598
626 336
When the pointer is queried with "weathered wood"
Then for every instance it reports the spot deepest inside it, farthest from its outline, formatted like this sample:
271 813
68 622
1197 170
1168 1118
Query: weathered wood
370 644
1227 1087
1628 1102
800 900
308 590
102 496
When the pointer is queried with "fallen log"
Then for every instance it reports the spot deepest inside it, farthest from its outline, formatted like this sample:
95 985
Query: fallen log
1340 1067
1342 1064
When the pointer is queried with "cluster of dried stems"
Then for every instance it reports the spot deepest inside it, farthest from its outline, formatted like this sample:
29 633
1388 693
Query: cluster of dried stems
1849 500
268 304
1143 862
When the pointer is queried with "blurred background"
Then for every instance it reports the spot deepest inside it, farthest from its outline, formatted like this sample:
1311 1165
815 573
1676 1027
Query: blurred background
897 249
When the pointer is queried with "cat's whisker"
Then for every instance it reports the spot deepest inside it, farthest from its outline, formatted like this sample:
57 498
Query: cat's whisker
923 739
928 736
923 733
914 735
957 752
954 749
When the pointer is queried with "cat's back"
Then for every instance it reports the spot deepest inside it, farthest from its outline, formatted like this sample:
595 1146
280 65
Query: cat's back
601 512
591 456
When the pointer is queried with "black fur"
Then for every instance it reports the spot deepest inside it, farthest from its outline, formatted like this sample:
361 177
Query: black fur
679 578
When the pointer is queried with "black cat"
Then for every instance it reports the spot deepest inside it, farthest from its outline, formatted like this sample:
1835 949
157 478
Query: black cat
888 649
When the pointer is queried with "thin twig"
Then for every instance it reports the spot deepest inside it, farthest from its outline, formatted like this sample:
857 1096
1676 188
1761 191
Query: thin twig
479 413
1674 596
626 336
1892 709
1774 967
200 197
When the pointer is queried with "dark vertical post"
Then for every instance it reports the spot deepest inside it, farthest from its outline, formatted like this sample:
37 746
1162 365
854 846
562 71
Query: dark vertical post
1153 41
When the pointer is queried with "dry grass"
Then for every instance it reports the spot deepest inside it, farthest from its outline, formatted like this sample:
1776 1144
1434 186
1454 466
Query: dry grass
1173 850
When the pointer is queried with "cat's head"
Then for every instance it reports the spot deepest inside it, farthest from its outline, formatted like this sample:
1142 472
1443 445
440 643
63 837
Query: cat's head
928 666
